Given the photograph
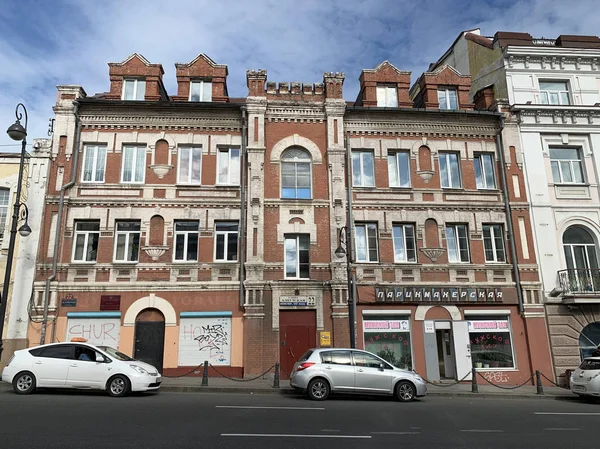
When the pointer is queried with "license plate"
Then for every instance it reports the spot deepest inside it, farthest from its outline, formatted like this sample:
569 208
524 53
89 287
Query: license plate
578 388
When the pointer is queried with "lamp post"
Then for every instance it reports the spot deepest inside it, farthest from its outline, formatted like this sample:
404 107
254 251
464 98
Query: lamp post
16 132
341 251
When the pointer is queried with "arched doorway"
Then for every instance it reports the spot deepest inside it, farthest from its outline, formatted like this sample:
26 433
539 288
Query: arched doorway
589 339
150 337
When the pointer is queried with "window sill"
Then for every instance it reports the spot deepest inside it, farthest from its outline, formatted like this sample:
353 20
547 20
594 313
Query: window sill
83 263
128 264
453 189
496 369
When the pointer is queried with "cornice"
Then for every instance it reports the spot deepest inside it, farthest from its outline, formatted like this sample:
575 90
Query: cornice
553 55
559 115
432 129
296 112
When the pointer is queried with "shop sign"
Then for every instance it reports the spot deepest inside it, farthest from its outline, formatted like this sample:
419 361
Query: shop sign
429 327
325 339
110 302
380 325
438 294
68 301
488 326
297 301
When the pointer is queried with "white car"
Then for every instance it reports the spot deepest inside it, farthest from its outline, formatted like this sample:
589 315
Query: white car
79 365
585 380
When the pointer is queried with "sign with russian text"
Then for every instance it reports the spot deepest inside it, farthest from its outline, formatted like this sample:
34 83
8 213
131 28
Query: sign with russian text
384 325
297 301
438 294
488 326
325 339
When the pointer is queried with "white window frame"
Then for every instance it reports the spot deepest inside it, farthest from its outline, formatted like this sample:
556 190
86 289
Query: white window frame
361 182
228 150
205 90
387 96
96 149
494 230
395 180
458 242
296 238
129 237
86 241
226 235
366 227
445 91
478 160
571 162
186 235
189 159
303 160
4 206
137 149
546 94
136 85
447 155
404 227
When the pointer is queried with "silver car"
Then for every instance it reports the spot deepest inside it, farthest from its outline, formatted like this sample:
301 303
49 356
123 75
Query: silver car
322 371
585 380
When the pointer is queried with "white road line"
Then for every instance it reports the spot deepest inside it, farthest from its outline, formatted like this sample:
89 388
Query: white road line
269 408
560 428
568 413
396 433
286 435
482 430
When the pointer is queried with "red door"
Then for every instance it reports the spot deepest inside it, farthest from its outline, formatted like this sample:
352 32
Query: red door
298 331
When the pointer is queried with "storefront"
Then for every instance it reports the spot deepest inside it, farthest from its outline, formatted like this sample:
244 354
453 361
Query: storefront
388 336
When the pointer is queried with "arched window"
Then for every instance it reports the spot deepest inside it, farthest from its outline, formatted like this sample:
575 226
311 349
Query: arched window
4 199
581 256
296 174
589 339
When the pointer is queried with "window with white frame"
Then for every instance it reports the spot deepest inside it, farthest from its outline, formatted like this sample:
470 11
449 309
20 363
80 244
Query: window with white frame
186 241
491 342
134 89
189 165
127 241
363 169
229 166
94 163
200 90
297 256
134 164
484 171
450 170
387 96
399 169
567 167
296 176
226 241
404 243
366 242
493 243
554 92
4 200
447 98
457 242
87 234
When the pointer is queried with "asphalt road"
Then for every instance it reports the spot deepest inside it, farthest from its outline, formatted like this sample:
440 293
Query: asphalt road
202 420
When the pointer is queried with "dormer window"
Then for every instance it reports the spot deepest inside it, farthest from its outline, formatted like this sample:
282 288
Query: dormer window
200 91
134 89
387 97
554 92
447 98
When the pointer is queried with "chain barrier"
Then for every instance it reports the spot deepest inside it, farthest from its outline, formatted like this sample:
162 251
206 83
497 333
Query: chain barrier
554 383
446 385
235 379
506 388
284 370
186 374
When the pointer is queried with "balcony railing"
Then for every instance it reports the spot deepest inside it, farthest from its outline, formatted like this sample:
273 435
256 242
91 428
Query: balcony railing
579 281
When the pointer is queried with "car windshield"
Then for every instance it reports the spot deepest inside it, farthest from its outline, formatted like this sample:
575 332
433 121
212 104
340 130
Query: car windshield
116 354
590 364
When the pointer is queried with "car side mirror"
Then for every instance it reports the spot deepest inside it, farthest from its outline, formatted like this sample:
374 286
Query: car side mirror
381 367
100 358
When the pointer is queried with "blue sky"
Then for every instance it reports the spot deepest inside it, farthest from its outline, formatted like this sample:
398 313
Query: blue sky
49 42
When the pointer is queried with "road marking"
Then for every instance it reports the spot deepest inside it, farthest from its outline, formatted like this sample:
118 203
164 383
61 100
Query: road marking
568 413
287 435
560 428
396 433
269 408
330 430
482 431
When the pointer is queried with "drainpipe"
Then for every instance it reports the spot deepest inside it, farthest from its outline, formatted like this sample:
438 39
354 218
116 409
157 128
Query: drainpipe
242 232
509 220
63 189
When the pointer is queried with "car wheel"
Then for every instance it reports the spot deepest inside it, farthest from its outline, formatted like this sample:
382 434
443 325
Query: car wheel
318 389
118 386
24 383
405 391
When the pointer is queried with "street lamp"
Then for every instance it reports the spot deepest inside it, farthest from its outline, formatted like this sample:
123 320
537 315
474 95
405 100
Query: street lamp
341 251
16 132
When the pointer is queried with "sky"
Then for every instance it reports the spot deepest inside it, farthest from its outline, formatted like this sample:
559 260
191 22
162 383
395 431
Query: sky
48 42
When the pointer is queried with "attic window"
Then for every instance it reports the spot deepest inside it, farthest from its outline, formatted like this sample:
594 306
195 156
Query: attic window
134 89
447 98
387 96
200 91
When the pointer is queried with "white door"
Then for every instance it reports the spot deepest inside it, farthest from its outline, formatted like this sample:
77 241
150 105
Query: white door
51 365
462 349
85 372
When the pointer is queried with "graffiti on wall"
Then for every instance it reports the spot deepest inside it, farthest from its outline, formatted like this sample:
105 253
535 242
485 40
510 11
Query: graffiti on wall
203 339
97 331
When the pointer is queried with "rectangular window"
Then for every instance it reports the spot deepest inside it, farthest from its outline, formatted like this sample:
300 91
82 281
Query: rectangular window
200 91
4 198
404 243
458 243
127 241
87 234
189 165
399 169
567 167
387 97
134 89
491 343
297 263
363 169
484 171
94 163
450 170
226 241
389 338
554 92
134 165
447 98
229 166
186 241
493 243
367 249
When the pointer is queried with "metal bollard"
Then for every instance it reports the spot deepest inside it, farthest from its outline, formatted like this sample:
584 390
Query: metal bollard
474 387
538 382
276 378
205 374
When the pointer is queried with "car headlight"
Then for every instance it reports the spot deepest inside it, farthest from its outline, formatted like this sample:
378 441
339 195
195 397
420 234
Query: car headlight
416 376
139 369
